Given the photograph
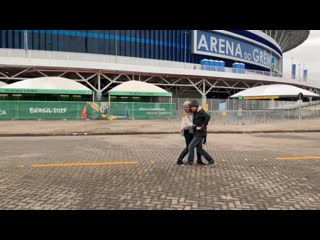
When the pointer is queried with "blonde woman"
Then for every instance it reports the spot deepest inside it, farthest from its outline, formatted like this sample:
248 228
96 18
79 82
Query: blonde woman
186 130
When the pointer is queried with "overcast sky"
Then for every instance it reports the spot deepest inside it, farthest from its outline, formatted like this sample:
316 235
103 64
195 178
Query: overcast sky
308 54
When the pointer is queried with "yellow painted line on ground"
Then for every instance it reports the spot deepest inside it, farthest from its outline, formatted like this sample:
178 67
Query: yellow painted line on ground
81 164
300 158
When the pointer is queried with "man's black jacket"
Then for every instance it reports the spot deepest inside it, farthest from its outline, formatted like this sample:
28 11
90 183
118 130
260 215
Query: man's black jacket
201 119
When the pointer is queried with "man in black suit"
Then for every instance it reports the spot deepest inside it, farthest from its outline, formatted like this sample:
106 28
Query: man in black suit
200 122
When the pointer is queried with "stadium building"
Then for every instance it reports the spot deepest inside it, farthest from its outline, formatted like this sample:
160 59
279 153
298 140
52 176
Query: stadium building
187 63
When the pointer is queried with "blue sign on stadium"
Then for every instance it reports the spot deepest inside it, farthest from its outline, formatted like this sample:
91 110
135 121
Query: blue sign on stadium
293 71
305 73
223 46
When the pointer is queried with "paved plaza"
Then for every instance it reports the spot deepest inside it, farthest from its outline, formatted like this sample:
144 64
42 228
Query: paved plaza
139 172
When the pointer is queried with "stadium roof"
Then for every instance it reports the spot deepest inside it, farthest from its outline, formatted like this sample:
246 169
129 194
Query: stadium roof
288 39
137 88
273 91
47 85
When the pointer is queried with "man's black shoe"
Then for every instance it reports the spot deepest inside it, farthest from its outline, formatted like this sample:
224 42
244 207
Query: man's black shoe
179 162
188 164
212 164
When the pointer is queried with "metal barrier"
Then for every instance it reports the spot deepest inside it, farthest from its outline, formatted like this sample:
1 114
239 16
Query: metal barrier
232 104
33 110
251 117
268 116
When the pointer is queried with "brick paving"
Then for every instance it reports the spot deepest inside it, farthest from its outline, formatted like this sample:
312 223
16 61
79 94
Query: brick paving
247 176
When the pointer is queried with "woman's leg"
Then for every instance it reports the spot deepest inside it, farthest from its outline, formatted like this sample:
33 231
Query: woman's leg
188 139
199 161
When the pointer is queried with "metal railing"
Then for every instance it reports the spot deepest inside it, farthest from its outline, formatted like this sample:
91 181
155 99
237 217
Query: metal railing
262 116
251 117
232 104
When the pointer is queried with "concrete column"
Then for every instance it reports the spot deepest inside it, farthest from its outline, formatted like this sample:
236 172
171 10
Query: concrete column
99 96
203 100
99 81
272 104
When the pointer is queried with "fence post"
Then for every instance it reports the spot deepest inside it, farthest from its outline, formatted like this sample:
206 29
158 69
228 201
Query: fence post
17 109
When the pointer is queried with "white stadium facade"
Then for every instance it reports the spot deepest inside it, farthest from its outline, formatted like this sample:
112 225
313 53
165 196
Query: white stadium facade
187 63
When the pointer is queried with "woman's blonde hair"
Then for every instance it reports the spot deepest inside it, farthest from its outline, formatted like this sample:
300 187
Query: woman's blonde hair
185 104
